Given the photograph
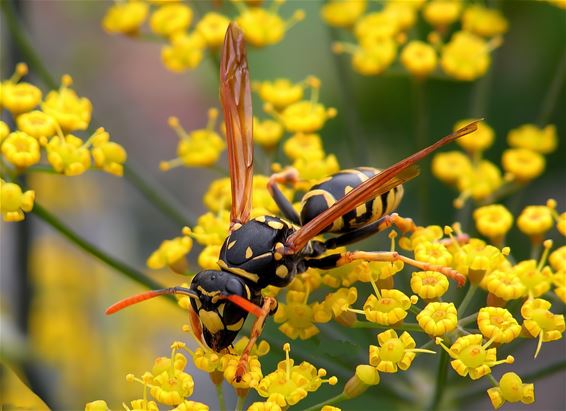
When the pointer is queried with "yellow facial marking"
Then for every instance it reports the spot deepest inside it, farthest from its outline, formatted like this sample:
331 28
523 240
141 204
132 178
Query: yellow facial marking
249 252
211 321
231 244
207 293
261 219
238 271
236 326
282 271
276 225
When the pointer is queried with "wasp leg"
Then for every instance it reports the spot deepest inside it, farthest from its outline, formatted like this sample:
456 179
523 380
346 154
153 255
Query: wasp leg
289 175
340 259
195 324
268 308
404 224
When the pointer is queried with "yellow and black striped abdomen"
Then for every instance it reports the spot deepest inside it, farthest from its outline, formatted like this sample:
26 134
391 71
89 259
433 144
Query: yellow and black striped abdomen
321 196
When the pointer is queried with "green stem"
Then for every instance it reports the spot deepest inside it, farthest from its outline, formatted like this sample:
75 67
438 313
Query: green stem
467 299
155 196
220 396
32 58
334 400
551 97
440 381
240 403
468 320
402 327
15 26
90 248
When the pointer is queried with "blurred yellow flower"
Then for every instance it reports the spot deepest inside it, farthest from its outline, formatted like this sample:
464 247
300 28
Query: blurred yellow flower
376 26
542 140
371 57
4 130
171 253
14 202
465 57
450 166
68 155
98 405
403 12
480 182
493 221
36 124
342 13
483 21
69 110
212 27
264 27
419 59
438 318
267 133
184 52
212 228
280 92
21 149
534 221
19 98
557 259
298 144
125 17
306 116
441 13
312 168
191 406
480 140
108 155
169 19
523 164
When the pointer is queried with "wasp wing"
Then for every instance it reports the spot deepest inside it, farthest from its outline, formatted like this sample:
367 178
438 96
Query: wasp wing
236 99
389 178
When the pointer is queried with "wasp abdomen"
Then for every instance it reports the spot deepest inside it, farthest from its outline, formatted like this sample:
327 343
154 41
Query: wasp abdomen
323 195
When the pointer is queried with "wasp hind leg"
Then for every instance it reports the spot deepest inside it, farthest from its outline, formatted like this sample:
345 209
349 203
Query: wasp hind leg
403 224
289 175
268 308
340 259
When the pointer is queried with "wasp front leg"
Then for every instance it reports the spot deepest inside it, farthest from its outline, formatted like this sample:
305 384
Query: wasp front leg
340 259
269 307
289 175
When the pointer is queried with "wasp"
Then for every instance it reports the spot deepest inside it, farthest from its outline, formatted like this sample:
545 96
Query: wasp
270 250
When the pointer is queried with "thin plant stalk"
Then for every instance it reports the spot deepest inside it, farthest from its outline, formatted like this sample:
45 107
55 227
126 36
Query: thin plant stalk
334 400
441 376
555 87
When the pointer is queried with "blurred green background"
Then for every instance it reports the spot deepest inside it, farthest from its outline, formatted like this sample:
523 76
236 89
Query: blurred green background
54 296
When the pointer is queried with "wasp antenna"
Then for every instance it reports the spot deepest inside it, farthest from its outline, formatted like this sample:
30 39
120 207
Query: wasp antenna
138 298
467 129
245 304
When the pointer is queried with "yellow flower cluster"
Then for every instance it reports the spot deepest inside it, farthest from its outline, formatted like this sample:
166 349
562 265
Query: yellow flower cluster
381 33
45 125
188 36
480 179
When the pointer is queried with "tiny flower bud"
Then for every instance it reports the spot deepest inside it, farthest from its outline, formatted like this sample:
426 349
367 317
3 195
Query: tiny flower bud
365 376
130 377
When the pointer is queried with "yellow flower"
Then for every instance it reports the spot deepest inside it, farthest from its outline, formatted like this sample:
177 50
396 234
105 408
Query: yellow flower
98 405
36 124
421 235
465 57
561 224
438 318
536 280
21 97
199 148
540 322
434 253
558 3
208 258
477 258
68 155
557 259
314 168
347 274
206 360
290 383
523 164
265 27
184 52
380 270
298 144
419 58
171 253
170 19
511 389
441 13
305 117
21 149
108 155
125 17
70 111
267 133
14 202
483 21
191 406
389 307
505 284
394 352
403 12
480 182
450 166
335 304
280 93
371 57
251 377
172 386
264 406
493 221
212 27
364 377
529 136
471 357
559 281
429 284
218 196
142 405
534 221
212 228
342 13
498 324
296 316
481 139
376 26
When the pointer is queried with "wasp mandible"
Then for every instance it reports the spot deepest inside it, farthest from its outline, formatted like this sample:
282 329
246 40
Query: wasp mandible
270 250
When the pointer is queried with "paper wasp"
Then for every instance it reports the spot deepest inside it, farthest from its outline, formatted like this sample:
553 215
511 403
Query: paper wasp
269 250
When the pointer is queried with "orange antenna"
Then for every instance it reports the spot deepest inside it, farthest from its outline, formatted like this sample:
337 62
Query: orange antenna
138 298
